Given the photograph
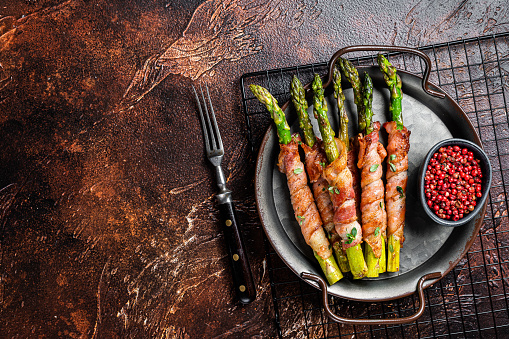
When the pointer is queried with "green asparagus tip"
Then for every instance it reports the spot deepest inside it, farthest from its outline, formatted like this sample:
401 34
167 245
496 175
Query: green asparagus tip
283 130
393 81
318 86
301 106
320 111
352 75
338 90
340 99
367 101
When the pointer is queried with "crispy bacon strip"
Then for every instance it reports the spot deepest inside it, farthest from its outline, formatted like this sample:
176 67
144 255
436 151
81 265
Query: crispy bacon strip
342 196
397 176
371 155
356 180
302 200
316 160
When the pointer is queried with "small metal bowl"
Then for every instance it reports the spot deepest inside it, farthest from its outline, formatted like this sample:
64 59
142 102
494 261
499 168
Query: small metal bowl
486 180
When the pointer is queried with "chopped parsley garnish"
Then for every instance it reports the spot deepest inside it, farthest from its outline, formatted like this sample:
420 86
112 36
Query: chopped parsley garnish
301 219
373 168
400 191
351 236
333 190
298 170
391 158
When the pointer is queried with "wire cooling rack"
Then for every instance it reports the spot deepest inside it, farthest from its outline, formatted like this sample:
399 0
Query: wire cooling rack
472 300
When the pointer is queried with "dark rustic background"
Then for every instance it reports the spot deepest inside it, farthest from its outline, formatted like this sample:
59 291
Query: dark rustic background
107 214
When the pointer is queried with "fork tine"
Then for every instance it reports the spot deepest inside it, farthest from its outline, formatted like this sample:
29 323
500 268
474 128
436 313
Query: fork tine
211 122
202 119
210 128
215 128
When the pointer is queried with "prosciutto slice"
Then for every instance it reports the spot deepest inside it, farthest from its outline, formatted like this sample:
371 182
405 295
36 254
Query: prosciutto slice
374 217
304 207
397 175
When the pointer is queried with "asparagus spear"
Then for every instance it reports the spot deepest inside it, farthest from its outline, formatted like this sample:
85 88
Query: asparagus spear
307 216
301 106
314 164
354 253
283 130
367 105
340 99
392 80
352 75
397 165
320 111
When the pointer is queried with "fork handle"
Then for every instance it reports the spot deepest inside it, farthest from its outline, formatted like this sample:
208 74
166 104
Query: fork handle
242 276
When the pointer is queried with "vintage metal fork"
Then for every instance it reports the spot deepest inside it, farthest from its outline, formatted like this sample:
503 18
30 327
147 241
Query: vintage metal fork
241 271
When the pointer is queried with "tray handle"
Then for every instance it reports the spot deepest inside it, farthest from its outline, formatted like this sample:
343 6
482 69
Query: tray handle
388 321
364 48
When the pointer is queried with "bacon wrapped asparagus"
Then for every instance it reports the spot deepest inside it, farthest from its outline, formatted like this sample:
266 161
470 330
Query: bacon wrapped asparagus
315 160
340 186
351 145
397 166
302 201
370 156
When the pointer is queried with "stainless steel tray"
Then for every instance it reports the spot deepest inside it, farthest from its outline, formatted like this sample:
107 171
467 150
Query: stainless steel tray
430 251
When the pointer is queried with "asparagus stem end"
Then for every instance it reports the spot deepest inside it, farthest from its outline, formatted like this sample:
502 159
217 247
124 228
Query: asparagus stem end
283 130
356 260
341 257
383 257
394 247
372 262
330 269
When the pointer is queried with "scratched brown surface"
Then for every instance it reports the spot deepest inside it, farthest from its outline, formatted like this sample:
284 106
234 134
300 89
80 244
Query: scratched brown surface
107 214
